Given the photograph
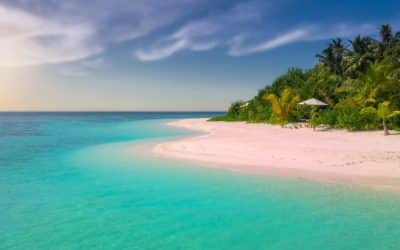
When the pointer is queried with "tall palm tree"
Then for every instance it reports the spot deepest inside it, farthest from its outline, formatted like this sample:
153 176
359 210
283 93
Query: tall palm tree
386 34
283 105
332 56
327 58
394 51
357 59
386 39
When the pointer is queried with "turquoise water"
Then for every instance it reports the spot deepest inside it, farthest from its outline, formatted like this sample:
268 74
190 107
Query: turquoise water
67 181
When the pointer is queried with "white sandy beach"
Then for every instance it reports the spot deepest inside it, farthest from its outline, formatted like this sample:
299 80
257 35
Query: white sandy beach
335 155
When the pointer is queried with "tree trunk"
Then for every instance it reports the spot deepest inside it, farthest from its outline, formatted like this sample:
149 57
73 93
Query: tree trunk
385 127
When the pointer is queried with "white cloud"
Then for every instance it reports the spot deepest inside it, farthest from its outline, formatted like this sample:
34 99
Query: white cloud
26 39
41 32
201 34
158 53
239 31
204 46
185 38
237 48
161 52
47 31
194 36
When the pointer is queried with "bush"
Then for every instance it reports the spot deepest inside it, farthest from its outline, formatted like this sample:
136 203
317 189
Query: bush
325 117
236 112
349 118
263 113
370 118
300 113
355 119
234 109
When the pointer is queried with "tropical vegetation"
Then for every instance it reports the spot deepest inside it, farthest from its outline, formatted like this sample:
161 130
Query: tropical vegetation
359 79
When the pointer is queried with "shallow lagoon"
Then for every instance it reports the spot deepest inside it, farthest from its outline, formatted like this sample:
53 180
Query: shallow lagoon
67 181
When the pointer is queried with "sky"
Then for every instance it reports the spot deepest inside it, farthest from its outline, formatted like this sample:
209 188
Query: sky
170 55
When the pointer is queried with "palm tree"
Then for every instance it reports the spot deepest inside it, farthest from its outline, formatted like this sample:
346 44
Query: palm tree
386 34
358 58
371 82
384 112
283 105
386 39
332 56
380 83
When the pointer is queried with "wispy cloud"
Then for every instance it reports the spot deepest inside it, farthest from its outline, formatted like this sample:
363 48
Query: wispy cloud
237 48
160 52
204 33
26 39
241 32
239 45
36 32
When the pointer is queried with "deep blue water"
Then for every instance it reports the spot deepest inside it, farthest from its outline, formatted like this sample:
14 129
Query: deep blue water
70 181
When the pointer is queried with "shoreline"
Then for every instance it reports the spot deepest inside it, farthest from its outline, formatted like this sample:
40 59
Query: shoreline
362 158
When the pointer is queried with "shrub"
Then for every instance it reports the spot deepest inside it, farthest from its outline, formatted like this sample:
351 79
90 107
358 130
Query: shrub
349 118
394 122
234 109
325 117
263 113
300 113
370 118
355 119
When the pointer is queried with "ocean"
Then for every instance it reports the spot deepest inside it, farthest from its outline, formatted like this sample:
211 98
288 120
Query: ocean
72 181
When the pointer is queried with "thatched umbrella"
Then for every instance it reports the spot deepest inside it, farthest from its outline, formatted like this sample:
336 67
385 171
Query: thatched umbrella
314 103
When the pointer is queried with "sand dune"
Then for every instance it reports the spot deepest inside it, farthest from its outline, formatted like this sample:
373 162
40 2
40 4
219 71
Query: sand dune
359 157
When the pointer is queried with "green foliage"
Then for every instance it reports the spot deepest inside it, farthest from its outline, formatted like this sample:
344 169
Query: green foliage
283 105
352 118
223 118
294 78
300 113
325 117
370 118
257 111
349 118
234 109
355 78
332 57
395 122
236 112
385 112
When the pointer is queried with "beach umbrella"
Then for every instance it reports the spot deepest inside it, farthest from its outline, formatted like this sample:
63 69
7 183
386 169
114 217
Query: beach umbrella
313 102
